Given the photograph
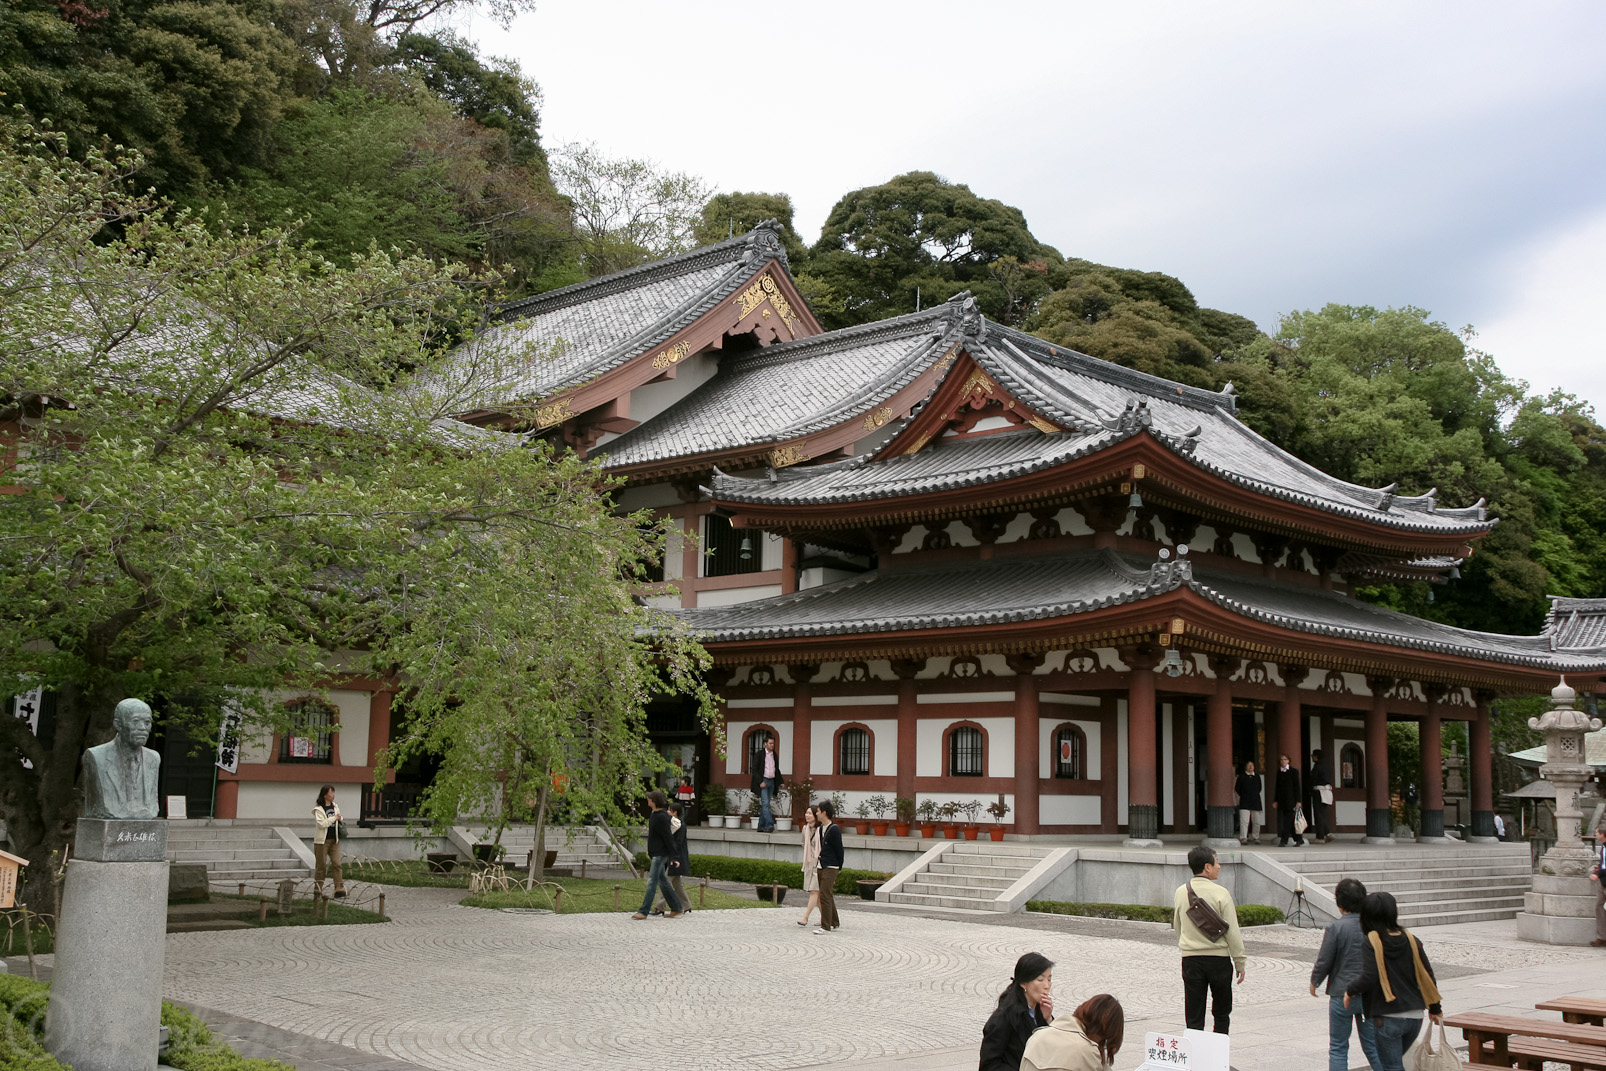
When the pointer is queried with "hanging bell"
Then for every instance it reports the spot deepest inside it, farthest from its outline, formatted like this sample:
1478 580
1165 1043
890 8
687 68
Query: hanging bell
1455 572
747 548
1172 663
1135 501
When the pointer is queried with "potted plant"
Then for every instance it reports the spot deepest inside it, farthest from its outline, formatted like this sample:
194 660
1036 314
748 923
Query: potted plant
928 818
801 794
972 809
735 807
862 814
714 804
868 887
771 894
904 809
879 806
950 819
781 806
486 853
999 811
754 810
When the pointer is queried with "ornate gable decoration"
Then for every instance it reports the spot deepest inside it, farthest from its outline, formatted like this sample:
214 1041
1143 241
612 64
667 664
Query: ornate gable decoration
968 402
765 289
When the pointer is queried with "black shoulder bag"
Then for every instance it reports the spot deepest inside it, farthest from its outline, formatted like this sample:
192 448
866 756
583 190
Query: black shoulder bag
1202 915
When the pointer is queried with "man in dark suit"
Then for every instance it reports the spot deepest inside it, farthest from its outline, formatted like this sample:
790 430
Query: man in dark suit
1286 795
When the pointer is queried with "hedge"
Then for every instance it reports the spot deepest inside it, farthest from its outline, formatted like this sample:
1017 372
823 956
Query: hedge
766 872
1248 914
191 1046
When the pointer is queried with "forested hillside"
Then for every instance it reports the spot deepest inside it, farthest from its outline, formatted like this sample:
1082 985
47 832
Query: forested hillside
372 126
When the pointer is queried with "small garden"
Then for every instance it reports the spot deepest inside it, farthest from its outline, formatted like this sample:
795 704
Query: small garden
413 873
769 872
876 816
1248 914
191 1046
577 896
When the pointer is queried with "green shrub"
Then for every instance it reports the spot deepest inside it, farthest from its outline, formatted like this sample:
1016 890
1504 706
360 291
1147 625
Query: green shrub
765 872
1248 914
191 1046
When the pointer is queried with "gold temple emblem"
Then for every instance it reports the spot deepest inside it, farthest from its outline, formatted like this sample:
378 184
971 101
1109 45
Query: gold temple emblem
914 447
977 380
1044 426
555 413
878 417
766 289
782 456
673 355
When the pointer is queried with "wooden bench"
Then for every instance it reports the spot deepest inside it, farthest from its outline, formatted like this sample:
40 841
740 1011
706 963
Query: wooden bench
1577 1009
1489 1037
1531 1054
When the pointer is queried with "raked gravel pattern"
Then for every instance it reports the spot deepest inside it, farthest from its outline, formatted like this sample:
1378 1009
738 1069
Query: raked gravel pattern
459 988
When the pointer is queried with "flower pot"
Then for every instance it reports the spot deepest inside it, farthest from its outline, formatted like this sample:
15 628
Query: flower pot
783 825
486 854
862 828
752 823
951 830
713 820
868 887
880 828
997 832
928 829
971 831
733 821
768 893
901 828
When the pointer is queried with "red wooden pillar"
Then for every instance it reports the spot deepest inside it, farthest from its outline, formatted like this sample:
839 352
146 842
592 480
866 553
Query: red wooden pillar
1142 747
228 798
1379 828
1432 774
379 723
1290 736
802 718
908 722
1220 815
1481 764
1027 731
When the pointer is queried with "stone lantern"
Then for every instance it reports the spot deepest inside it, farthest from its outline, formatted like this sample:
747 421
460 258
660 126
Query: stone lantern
1561 908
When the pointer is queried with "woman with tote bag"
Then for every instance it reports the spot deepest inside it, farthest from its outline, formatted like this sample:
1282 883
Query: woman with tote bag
1397 987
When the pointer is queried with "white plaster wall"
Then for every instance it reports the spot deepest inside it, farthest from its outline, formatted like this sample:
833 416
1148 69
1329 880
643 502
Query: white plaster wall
819 576
1072 522
883 738
1167 766
648 496
770 549
675 554
293 802
1045 746
731 596
663 602
1349 812
982 817
854 701
928 747
1244 547
354 717
1121 760
1069 810
1000 746
650 399
735 730
929 757
1018 528
964 698
256 749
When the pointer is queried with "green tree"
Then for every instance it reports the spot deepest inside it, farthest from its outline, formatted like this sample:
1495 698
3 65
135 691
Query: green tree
919 232
224 476
729 214
627 211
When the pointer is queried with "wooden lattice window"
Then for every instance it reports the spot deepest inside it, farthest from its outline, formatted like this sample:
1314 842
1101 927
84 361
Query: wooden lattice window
728 551
1070 752
1351 767
310 736
853 751
755 749
967 750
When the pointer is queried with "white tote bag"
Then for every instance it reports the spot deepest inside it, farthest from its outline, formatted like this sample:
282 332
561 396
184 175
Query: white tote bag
1430 1053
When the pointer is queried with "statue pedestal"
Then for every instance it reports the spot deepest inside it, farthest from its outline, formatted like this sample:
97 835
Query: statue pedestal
1561 908
106 993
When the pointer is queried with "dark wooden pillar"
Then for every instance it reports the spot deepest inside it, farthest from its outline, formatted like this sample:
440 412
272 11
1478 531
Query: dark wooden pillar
802 718
1432 775
1027 732
1480 763
908 714
1378 825
1220 815
1142 747
1290 729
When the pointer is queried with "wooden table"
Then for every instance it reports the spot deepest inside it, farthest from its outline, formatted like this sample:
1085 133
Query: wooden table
1577 1009
1484 1028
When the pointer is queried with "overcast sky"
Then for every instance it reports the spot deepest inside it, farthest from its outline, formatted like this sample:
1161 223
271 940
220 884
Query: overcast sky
1274 156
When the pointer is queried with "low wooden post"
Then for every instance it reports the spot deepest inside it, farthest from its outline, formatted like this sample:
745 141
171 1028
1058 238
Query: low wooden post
381 905
583 862
27 942
616 898
242 888
557 901
262 909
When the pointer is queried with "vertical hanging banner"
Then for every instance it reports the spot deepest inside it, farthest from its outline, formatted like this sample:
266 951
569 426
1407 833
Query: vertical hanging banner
25 707
228 742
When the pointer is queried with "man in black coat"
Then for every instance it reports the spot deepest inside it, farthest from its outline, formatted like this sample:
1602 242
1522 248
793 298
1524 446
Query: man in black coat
661 850
1286 795
831 860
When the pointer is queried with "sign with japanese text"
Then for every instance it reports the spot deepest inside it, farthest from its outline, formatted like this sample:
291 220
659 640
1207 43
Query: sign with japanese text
1193 1049
9 865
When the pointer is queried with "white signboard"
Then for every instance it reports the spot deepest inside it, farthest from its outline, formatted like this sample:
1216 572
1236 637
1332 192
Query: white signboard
1196 1050
228 742
178 808
25 707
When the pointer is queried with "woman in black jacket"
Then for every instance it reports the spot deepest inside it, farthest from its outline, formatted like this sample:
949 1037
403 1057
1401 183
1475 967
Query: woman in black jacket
1396 981
1025 1006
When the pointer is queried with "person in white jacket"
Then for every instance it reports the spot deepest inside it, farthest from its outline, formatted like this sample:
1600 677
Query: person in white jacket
326 841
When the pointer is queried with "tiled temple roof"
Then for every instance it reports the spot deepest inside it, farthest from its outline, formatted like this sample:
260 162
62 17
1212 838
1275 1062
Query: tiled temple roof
1099 404
579 332
1575 623
967 594
788 390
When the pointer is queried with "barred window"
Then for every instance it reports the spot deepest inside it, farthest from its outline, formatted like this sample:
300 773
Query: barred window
755 749
728 551
855 751
310 734
1351 767
1070 750
965 752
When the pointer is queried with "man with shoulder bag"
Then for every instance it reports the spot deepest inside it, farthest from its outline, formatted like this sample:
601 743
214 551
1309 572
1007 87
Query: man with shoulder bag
1206 921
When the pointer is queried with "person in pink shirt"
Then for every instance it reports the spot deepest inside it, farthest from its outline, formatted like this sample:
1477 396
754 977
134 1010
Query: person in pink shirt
766 774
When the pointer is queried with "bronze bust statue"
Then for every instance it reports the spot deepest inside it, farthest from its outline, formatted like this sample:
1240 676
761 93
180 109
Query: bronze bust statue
120 775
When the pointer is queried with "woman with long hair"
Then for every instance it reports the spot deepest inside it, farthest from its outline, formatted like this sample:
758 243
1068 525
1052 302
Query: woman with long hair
1026 1005
1085 1040
326 840
811 862
1396 982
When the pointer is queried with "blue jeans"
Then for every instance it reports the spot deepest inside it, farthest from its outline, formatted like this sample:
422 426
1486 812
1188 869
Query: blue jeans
766 820
1339 1019
657 880
1394 1036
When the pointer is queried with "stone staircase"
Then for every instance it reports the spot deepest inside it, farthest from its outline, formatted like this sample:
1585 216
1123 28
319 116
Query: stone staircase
1435 885
236 853
586 845
970 875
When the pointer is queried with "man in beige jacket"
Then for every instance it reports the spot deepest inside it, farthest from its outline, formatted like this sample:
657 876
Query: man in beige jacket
1207 965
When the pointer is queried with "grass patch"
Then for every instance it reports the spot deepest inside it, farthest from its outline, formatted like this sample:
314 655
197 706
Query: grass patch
1248 914
583 895
767 872
414 873
191 1045
301 913
42 934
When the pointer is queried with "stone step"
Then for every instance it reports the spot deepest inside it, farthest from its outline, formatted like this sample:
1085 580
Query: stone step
1329 878
1466 892
206 925
1486 913
920 887
973 881
1009 873
998 847
229 877
250 855
1018 864
192 844
921 900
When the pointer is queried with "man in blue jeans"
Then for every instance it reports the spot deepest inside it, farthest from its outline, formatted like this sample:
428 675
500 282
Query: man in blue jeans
766 780
660 849
1339 963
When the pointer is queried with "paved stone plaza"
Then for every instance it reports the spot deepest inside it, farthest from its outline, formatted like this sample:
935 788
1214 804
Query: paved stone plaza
459 988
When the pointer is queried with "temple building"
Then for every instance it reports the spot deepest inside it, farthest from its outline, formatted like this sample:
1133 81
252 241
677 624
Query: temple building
939 558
